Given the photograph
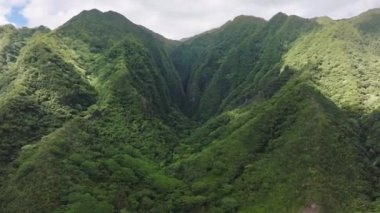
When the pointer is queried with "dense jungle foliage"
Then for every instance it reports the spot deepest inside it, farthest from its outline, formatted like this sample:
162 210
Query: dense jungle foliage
102 115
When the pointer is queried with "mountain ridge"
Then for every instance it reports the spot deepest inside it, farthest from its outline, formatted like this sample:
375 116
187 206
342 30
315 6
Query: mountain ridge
103 115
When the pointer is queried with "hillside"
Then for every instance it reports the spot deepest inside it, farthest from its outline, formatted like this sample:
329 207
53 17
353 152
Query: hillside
103 115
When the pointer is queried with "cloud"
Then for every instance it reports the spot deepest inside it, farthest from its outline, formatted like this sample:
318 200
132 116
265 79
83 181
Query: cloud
181 18
6 8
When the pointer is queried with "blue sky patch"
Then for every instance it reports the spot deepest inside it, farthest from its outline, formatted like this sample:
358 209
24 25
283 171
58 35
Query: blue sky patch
16 17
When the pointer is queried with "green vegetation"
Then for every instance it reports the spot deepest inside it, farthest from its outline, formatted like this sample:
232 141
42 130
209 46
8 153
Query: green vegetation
102 115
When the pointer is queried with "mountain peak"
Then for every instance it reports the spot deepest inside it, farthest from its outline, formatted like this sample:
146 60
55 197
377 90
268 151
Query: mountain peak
93 11
95 19
85 13
95 15
279 15
245 18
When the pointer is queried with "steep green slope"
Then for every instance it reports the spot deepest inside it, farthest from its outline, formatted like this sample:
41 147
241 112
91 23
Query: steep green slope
119 142
342 63
281 116
241 59
110 28
340 172
39 95
271 158
198 59
257 77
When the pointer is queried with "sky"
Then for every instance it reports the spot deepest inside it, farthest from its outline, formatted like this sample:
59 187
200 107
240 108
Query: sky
175 19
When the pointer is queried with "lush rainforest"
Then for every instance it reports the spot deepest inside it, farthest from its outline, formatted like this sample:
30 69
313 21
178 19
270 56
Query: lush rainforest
105 116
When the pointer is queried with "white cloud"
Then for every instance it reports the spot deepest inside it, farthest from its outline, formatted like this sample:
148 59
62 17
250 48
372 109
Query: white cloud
182 18
5 8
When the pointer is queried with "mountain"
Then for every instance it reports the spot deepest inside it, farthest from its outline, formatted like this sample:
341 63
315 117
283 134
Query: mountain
103 115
